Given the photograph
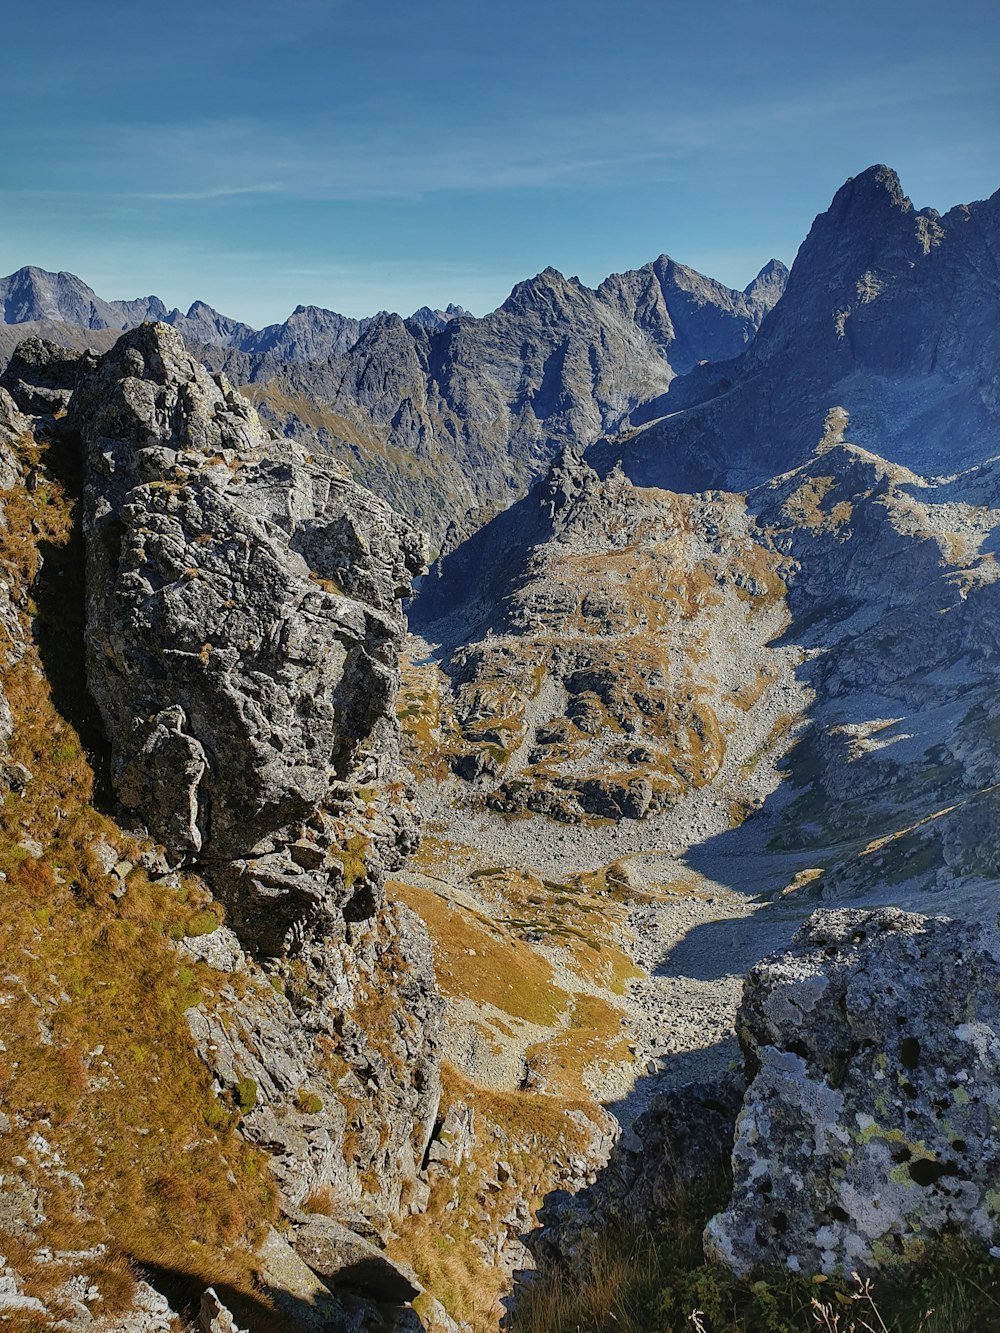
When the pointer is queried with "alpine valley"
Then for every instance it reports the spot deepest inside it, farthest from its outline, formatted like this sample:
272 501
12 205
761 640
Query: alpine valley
502 812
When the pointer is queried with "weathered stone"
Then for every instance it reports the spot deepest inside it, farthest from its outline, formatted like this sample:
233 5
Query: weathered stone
685 1135
307 1303
41 376
344 1259
871 1122
214 1317
219 949
244 619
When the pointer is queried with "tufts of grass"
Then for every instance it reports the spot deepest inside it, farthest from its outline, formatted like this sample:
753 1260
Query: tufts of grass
479 959
112 1113
641 1279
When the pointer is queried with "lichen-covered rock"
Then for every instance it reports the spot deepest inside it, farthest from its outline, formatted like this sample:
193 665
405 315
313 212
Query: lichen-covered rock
873 1118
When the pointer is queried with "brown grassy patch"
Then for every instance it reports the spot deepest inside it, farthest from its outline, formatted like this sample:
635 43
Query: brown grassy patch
594 1037
477 959
98 1061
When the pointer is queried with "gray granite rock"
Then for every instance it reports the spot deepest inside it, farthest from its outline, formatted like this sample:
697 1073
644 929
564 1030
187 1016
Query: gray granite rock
871 1121
41 375
343 1259
214 1317
243 623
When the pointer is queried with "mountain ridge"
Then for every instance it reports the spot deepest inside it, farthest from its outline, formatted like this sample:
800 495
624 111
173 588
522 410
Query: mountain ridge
32 294
889 311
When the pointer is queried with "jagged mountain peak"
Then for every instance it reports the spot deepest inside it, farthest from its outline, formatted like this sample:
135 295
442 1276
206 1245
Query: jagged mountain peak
437 318
878 184
544 287
888 310
33 293
199 308
773 276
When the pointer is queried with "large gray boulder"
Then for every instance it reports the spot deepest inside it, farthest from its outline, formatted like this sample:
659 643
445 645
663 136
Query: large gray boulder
873 1118
341 1258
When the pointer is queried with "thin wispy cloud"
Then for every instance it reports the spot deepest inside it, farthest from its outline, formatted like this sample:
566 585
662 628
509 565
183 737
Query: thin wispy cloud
343 154
334 160
214 192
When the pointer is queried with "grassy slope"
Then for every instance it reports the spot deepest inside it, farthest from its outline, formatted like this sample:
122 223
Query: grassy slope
110 1109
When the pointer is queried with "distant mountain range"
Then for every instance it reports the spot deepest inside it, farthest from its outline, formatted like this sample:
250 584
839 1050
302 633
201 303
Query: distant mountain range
33 295
442 412
889 312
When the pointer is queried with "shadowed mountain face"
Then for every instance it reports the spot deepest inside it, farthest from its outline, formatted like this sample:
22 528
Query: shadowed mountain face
446 417
890 312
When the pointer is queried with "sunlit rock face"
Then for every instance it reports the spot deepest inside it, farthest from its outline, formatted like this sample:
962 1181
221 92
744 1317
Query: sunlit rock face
244 620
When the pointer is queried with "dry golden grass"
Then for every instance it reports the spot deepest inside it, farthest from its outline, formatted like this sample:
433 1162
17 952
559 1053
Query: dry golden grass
594 1037
478 959
805 505
98 1060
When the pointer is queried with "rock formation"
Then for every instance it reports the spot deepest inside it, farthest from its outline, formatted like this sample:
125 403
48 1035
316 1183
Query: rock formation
242 640
870 1122
242 635
243 626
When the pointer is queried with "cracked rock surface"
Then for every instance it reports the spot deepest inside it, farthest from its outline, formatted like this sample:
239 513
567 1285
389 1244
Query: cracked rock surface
243 626
872 1118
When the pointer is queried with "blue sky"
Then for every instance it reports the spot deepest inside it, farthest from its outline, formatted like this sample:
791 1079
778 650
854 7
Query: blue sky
360 155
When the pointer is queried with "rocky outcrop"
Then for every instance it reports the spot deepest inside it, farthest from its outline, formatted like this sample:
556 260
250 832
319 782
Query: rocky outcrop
244 619
41 375
14 427
583 616
683 1138
335 1070
870 1122
243 626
